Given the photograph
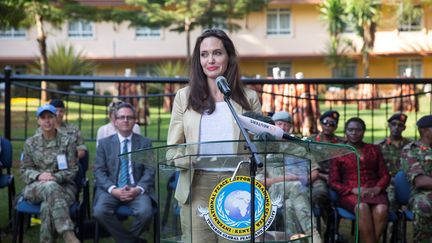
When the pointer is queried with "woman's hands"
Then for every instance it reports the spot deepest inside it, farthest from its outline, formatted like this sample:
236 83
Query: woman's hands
367 191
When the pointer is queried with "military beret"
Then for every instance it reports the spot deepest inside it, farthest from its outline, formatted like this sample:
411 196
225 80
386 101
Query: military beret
332 114
282 116
399 117
46 107
425 121
57 103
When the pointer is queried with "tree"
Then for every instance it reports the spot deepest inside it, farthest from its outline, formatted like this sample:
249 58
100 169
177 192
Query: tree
364 16
64 60
10 13
170 69
333 13
186 15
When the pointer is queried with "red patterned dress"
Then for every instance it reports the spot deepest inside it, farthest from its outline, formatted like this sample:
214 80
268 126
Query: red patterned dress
373 172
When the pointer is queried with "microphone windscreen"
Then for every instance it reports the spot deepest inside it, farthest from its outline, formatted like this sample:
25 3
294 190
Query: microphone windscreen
223 86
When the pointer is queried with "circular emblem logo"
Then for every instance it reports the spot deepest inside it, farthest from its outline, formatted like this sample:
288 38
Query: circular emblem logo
229 209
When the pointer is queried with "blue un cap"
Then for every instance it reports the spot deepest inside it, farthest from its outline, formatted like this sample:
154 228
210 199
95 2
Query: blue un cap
46 107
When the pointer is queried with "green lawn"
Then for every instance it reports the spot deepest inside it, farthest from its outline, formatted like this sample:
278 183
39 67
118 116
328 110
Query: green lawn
19 116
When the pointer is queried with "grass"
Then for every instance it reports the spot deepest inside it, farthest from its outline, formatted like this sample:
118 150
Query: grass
23 111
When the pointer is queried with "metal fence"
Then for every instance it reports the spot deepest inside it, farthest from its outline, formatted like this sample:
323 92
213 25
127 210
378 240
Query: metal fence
374 100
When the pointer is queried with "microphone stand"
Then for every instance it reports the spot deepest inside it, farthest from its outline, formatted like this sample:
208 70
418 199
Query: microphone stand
254 164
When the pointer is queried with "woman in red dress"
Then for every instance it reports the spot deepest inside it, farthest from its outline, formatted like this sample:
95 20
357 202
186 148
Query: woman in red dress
374 179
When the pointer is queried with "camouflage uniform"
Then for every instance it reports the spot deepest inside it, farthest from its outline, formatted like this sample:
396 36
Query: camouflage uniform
73 132
391 153
320 186
418 157
39 156
298 218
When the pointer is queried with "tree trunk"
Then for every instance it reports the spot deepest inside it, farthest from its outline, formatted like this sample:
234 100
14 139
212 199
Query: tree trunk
43 59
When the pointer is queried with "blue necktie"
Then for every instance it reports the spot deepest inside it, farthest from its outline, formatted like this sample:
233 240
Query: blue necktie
124 170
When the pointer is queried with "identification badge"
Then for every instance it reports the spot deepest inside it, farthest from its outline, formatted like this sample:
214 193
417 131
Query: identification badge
61 162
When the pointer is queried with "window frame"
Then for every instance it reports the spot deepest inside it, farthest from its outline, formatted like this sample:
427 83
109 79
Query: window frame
416 64
148 32
81 33
282 65
15 34
277 13
412 25
349 67
146 69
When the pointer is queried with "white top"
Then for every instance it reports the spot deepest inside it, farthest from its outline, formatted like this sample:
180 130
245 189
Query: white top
217 126
109 129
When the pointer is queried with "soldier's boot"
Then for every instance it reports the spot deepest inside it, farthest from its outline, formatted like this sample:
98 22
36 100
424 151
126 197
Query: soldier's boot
70 237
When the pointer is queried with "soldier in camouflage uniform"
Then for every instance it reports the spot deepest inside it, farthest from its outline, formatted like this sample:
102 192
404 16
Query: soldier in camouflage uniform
329 121
391 148
418 156
48 169
291 181
67 128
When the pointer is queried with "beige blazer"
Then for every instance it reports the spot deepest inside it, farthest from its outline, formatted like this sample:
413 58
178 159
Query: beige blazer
185 128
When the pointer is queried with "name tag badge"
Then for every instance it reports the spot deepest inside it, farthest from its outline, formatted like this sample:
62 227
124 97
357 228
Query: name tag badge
61 162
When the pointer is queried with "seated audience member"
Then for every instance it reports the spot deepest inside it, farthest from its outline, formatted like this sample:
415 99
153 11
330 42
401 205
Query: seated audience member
291 180
283 120
109 128
48 169
329 121
391 148
418 156
120 181
374 180
68 128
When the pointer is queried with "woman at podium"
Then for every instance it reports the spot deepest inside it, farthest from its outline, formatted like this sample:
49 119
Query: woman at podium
200 114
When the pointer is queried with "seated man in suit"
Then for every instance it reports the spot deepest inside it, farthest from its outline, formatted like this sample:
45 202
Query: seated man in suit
120 181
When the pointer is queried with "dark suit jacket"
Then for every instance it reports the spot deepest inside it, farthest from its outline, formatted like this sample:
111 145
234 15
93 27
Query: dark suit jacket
107 165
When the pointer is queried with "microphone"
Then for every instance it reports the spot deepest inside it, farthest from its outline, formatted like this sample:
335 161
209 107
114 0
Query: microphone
257 126
222 84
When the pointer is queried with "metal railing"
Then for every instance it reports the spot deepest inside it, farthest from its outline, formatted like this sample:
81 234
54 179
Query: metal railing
304 98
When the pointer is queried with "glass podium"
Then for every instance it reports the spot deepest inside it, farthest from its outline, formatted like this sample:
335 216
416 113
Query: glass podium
202 192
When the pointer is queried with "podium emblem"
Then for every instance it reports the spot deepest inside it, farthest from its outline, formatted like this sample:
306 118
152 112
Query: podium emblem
228 212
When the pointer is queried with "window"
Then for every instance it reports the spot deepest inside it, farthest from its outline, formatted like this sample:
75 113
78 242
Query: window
12 33
278 22
413 65
146 70
349 70
147 32
80 29
20 69
284 69
410 19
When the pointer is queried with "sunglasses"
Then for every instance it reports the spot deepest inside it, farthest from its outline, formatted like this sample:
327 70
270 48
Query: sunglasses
329 123
397 124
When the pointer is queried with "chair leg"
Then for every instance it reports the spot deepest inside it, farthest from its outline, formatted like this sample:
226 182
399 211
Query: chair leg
404 229
96 236
18 228
15 228
334 235
395 232
156 227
